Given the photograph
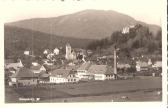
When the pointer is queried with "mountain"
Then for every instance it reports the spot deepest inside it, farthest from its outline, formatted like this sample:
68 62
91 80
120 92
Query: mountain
87 24
17 40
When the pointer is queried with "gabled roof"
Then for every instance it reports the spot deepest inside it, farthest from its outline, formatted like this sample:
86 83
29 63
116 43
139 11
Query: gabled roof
50 67
35 67
63 72
43 75
84 66
100 69
25 73
14 65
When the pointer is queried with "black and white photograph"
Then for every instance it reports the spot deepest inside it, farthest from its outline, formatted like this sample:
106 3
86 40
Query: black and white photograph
73 51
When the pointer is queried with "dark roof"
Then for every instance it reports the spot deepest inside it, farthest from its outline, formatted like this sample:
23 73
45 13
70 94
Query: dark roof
51 67
9 61
62 72
110 70
24 73
44 75
35 67
84 66
72 71
100 69
12 69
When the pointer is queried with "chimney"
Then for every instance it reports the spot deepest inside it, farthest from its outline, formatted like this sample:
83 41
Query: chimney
115 62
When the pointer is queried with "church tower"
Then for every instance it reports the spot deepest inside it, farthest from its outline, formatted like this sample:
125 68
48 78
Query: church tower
68 51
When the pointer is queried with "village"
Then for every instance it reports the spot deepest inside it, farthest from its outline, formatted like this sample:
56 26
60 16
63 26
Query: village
75 66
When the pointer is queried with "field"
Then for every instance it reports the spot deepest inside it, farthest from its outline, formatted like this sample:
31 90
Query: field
139 89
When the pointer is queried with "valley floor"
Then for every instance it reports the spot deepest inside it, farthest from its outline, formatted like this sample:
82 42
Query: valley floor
134 90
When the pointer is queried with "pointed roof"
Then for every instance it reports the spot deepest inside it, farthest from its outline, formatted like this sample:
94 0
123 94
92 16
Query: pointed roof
24 73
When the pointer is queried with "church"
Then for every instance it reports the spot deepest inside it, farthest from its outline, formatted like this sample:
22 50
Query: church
70 54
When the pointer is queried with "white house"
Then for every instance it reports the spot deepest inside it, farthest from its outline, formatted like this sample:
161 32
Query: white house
59 76
56 51
142 66
82 71
72 77
37 68
122 65
24 76
14 65
125 30
26 52
50 56
157 64
149 62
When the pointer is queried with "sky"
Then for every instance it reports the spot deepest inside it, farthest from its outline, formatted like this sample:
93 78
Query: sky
148 11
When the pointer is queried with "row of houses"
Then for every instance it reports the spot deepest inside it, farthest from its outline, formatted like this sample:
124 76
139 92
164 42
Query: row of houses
84 72
50 74
145 66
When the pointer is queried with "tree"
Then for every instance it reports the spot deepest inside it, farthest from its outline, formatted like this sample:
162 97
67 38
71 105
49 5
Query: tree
115 37
158 35
131 69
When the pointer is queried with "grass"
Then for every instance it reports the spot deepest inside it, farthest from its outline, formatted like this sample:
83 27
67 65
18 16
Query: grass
87 89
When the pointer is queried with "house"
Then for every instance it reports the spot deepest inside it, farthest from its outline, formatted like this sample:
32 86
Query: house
24 76
44 77
46 51
47 62
26 52
109 73
14 65
12 70
89 52
157 64
82 71
142 66
50 56
101 72
122 66
37 68
56 51
59 76
72 77
149 62
125 30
